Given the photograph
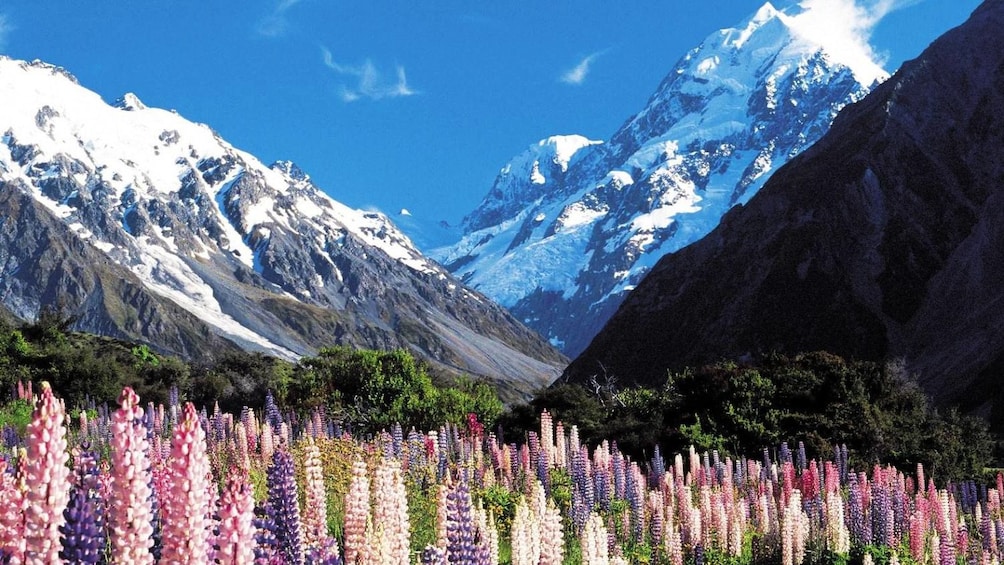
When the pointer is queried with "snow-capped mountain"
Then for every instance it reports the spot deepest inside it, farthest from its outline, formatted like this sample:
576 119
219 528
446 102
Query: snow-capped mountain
151 227
883 241
571 224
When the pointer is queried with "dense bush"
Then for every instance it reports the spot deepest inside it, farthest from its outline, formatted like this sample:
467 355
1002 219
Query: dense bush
817 398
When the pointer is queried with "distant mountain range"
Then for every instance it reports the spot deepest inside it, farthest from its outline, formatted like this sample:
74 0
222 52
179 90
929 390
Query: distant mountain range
148 227
571 225
884 240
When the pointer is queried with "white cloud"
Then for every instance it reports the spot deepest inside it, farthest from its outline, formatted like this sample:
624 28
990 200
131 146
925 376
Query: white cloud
5 28
276 24
369 82
844 28
577 74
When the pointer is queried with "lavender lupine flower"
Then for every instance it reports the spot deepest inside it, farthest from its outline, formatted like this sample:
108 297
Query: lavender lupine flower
83 534
657 468
48 478
285 509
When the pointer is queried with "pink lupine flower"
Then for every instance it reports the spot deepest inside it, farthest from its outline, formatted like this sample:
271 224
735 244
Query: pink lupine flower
186 506
48 478
12 489
236 537
552 542
594 542
315 516
390 511
526 534
357 511
130 511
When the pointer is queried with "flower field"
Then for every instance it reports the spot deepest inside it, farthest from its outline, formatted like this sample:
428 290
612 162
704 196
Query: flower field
145 484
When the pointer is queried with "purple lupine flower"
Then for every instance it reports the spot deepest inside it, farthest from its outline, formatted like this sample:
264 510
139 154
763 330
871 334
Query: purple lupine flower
784 454
266 544
859 528
636 502
657 468
272 414
617 466
461 546
83 533
433 555
801 460
285 509
397 443
325 555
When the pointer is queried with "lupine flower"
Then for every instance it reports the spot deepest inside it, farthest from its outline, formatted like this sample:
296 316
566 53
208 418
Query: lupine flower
186 505
357 511
12 489
83 534
526 534
390 511
236 538
461 547
315 515
594 542
130 514
552 542
48 478
285 508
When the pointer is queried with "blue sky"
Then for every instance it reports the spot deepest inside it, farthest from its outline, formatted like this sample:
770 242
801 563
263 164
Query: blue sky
404 104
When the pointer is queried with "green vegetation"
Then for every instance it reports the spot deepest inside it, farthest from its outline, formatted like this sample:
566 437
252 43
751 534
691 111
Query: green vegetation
370 390
818 398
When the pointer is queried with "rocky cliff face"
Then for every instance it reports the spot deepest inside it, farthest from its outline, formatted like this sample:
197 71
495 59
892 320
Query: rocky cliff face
153 228
571 225
884 240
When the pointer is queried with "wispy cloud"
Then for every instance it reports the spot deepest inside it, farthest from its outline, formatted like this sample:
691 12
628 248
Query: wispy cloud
577 74
368 81
845 26
5 28
276 24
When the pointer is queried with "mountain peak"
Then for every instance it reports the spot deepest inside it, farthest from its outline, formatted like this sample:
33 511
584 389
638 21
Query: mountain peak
129 102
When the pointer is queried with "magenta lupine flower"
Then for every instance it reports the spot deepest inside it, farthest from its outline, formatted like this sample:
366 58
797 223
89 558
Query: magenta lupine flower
186 525
130 512
236 539
48 478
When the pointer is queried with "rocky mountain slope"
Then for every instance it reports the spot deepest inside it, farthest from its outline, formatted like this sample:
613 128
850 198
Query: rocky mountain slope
149 227
885 240
571 224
